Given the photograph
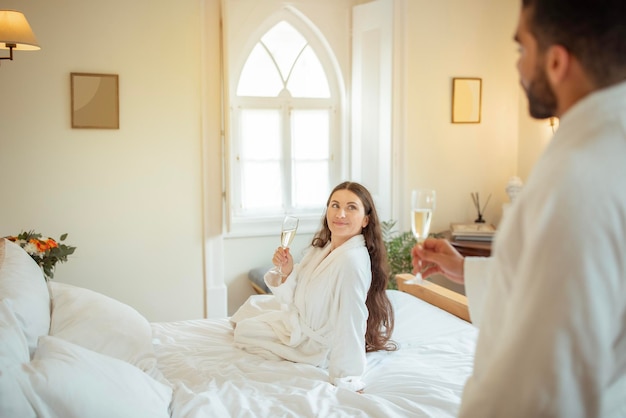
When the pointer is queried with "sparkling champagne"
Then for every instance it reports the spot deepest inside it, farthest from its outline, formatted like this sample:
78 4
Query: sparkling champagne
286 237
420 223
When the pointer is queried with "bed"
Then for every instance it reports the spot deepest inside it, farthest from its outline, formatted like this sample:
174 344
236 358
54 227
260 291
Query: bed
67 352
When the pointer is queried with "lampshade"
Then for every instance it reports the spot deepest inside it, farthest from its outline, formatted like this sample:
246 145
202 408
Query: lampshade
16 32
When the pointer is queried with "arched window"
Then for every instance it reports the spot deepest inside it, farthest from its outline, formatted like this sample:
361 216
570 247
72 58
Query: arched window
286 133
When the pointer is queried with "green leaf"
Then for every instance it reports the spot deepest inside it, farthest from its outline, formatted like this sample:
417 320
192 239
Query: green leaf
398 246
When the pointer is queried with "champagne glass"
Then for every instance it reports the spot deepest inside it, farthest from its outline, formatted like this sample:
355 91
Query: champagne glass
422 207
287 234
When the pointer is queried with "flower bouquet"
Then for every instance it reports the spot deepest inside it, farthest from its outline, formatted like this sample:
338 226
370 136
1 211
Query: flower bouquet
45 251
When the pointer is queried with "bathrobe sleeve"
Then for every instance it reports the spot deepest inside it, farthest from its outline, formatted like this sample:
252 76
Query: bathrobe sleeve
547 326
476 284
347 359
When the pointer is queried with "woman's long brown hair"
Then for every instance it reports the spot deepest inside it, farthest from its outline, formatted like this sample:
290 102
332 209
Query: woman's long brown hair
380 321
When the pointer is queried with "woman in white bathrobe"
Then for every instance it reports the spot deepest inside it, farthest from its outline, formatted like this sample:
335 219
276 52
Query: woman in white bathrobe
332 307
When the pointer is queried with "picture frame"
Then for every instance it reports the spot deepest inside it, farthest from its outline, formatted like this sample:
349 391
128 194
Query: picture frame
466 99
94 101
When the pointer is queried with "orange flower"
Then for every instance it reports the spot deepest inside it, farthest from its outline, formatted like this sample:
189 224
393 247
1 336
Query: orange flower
42 246
46 251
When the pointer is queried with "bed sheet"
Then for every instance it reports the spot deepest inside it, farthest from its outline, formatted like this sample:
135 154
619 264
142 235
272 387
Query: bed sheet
424 378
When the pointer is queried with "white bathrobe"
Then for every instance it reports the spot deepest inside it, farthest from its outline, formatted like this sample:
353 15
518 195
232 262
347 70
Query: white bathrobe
318 316
551 301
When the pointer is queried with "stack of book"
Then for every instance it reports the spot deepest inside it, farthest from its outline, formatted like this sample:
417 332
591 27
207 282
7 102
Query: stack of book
472 232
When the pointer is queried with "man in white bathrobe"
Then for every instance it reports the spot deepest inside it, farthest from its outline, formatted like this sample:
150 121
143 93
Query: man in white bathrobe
551 301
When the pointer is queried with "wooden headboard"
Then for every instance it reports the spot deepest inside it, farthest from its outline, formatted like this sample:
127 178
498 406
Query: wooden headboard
446 299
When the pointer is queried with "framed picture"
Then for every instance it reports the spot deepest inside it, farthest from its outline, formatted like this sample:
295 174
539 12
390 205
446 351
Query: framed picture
95 101
466 100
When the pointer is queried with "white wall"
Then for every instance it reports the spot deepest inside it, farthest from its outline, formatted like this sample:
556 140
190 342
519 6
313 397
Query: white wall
534 136
457 38
130 199
142 203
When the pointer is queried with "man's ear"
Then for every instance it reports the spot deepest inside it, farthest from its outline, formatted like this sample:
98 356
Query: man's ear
558 62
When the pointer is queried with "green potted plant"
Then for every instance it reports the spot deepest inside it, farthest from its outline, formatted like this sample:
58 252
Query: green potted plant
398 245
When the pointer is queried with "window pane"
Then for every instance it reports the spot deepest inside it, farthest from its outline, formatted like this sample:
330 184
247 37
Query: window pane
282 160
311 184
310 134
261 186
259 76
284 43
260 134
308 78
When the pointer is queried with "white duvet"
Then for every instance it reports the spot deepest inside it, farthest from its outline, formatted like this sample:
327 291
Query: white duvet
424 378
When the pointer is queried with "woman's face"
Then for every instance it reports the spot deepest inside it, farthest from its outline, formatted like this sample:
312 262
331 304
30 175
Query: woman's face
345 216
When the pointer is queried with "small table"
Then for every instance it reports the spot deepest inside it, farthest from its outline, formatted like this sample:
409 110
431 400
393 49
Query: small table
469 248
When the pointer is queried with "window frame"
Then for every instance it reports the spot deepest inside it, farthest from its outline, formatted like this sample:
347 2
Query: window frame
259 223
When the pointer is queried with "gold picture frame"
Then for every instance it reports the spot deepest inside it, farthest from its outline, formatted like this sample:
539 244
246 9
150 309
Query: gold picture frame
95 101
466 100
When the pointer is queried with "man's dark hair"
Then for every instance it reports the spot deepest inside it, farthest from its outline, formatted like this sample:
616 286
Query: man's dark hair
594 31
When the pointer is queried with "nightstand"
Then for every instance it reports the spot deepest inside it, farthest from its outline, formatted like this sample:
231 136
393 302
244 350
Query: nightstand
469 248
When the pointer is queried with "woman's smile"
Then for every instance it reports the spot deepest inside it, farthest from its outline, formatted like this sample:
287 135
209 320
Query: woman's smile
345 216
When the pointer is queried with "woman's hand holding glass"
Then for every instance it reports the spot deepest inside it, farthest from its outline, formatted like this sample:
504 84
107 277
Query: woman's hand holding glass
282 259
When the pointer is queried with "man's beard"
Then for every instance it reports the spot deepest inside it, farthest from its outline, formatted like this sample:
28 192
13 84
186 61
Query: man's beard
541 98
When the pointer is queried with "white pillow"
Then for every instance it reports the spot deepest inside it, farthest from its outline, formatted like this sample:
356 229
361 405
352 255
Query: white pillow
102 324
417 321
13 402
65 380
13 352
13 346
22 282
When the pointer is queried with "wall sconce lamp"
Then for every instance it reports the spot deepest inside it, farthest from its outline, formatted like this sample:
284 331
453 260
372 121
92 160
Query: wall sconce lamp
15 33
